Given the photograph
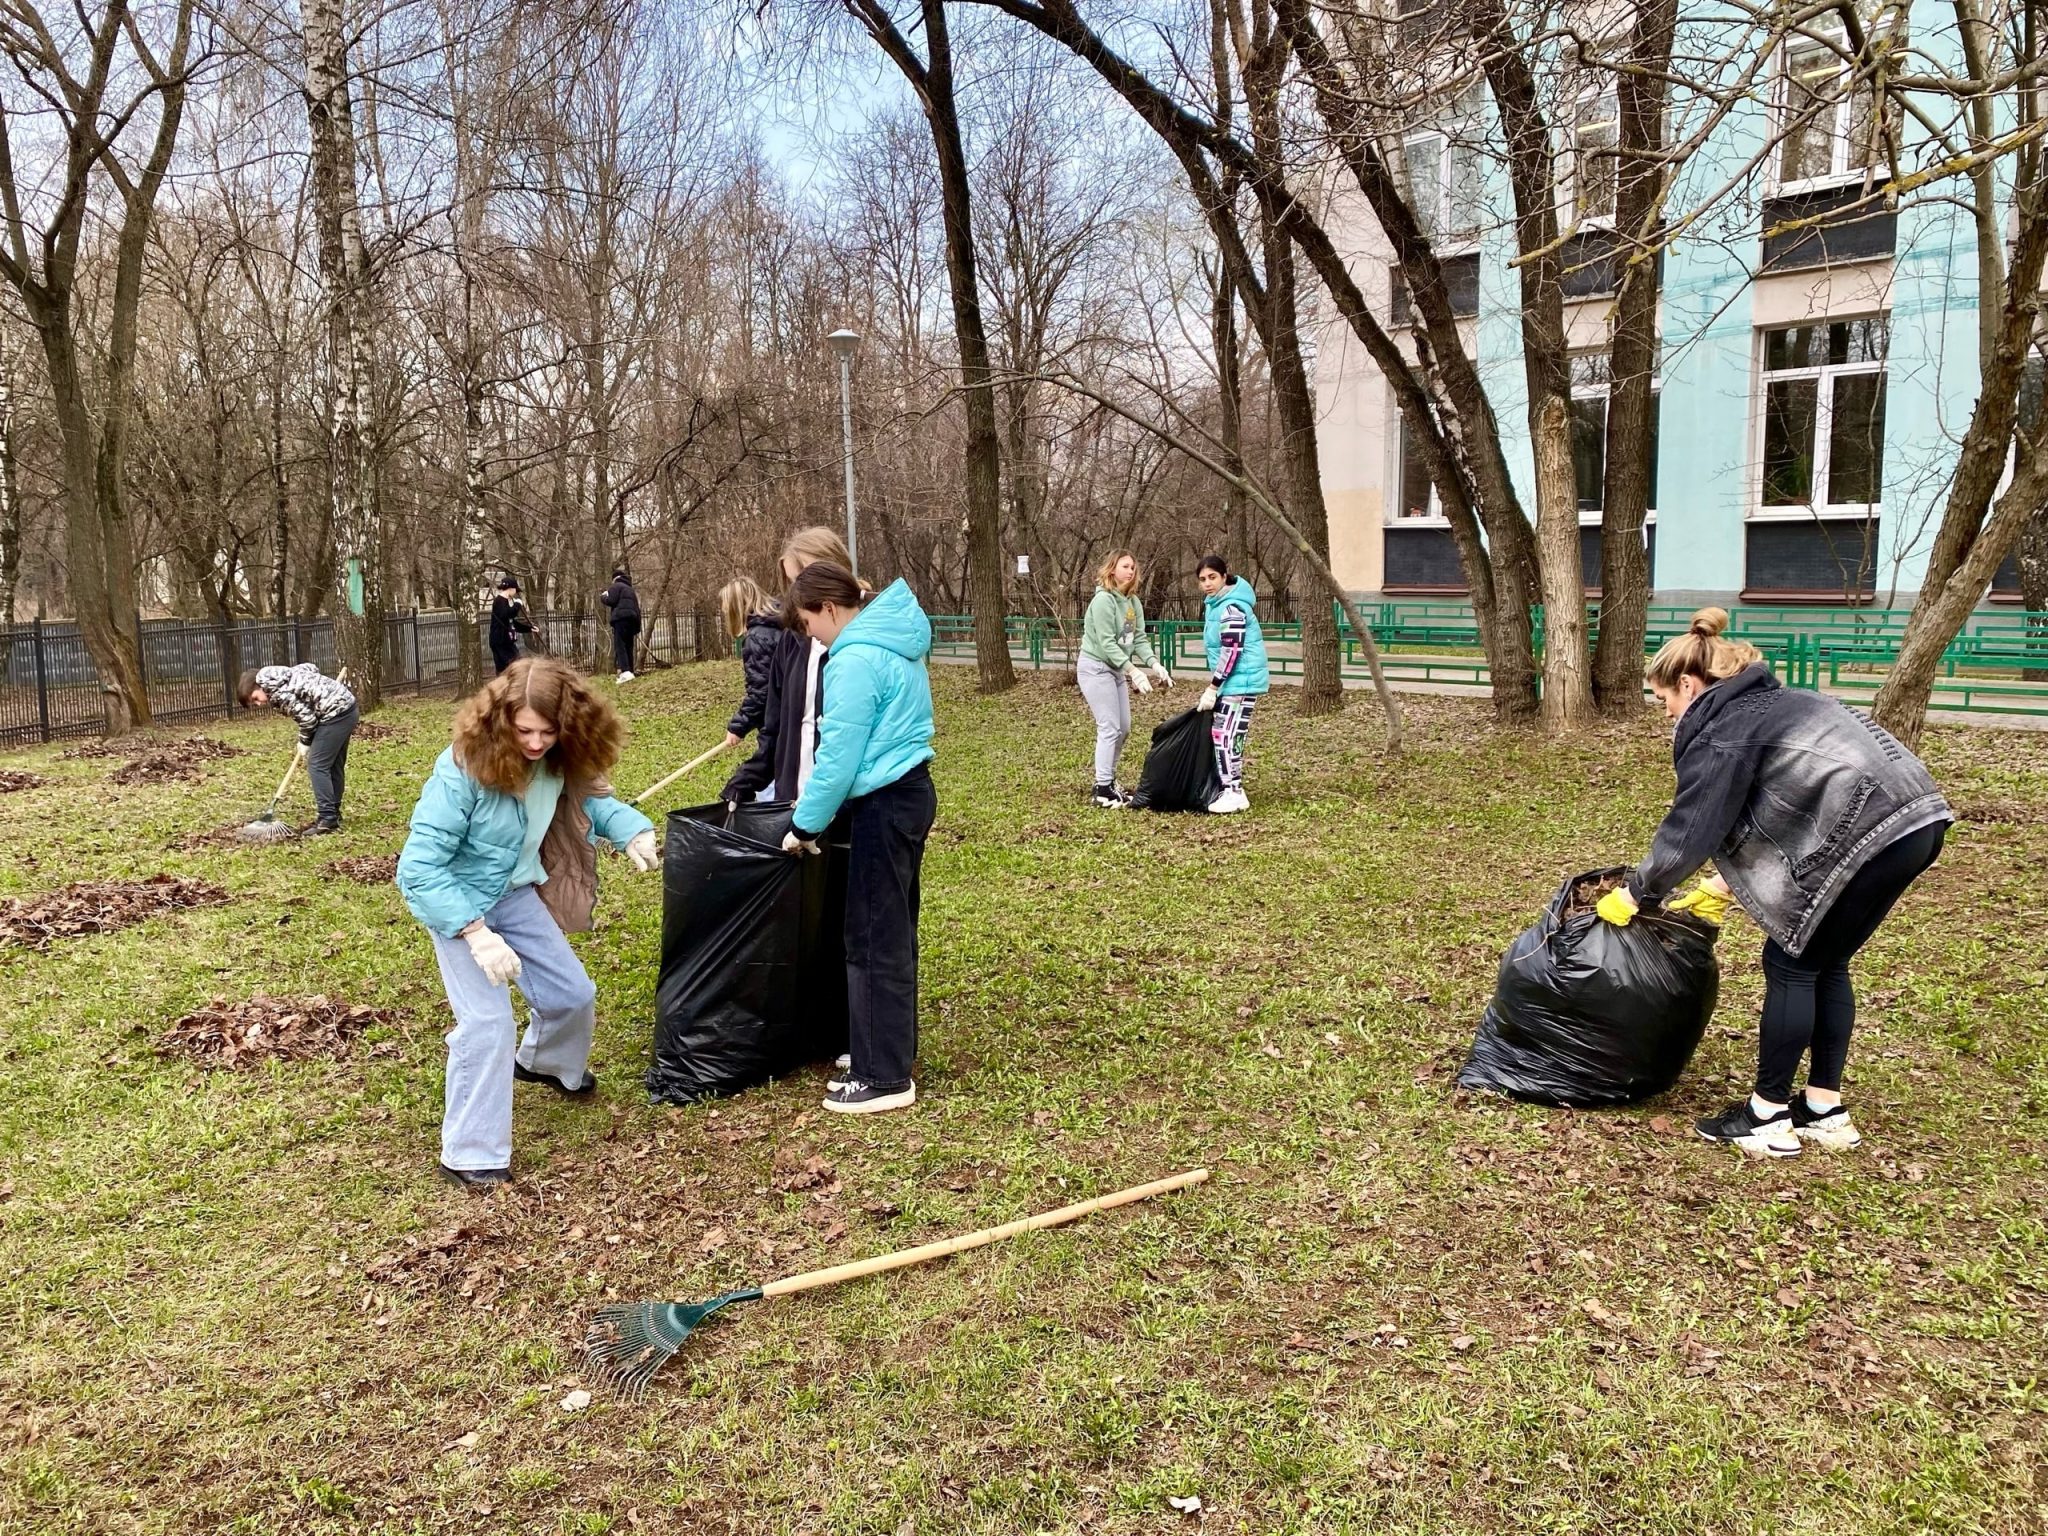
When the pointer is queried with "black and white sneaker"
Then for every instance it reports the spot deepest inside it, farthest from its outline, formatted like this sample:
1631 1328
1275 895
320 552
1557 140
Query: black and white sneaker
1830 1128
1107 797
526 1074
854 1097
1739 1126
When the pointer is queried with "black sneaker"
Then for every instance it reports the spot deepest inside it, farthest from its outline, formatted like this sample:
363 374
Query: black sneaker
854 1097
1739 1126
528 1075
1106 798
476 1178
1830 1128
322 828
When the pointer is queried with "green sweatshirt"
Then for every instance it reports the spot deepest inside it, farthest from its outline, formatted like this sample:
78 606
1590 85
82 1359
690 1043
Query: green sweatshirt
1114 631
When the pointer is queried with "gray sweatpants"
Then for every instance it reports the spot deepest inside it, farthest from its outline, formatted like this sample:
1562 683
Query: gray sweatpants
327 763
1109 701
476 1121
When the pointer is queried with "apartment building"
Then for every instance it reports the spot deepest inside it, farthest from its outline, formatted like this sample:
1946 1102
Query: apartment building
1818 361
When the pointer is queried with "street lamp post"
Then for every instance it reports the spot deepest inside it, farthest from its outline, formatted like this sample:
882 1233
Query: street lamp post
843 342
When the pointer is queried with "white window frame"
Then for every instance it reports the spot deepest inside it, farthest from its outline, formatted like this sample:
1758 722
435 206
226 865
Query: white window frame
1569 184
1436 221
1841 136
1601 391
1394 518
1823 424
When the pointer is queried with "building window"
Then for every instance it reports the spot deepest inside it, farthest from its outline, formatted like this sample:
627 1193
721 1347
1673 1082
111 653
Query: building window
1823 417
1829 127
1595 160
1418 491
1445 188
1589 432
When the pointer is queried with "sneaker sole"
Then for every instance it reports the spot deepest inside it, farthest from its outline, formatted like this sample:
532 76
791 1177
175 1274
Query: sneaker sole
1754 1146
881 1106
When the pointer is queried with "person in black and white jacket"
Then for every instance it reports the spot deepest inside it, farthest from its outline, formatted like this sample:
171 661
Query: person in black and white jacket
325 712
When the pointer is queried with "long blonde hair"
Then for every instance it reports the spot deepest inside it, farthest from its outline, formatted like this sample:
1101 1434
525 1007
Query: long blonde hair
1700 652
1105 575
588 733
807 546
739 600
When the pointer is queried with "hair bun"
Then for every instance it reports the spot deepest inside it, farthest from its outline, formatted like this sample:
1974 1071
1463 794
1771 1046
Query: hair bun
1710 622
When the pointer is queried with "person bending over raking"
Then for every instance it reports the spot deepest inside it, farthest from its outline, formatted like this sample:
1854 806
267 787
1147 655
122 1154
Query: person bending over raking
325 712
1236 652
873 780
1817 820
501 865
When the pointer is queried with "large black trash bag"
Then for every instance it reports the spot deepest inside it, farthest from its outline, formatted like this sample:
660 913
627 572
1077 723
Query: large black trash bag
1180 768
753 960
1587 1014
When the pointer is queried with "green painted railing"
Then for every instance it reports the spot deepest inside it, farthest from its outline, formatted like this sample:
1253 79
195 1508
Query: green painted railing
1844 650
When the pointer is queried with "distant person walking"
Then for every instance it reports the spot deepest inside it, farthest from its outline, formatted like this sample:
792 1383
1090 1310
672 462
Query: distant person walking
501 865
787 745
1235 647
509 621
624 603
324 709
754 619
1114 656
1817 820
872 778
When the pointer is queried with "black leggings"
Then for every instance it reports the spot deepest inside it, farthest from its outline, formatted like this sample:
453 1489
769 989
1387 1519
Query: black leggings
1807 998
624 633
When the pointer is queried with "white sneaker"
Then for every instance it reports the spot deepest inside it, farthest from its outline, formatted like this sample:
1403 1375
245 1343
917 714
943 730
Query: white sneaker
842 1067
625 677
1832 1129
1229 803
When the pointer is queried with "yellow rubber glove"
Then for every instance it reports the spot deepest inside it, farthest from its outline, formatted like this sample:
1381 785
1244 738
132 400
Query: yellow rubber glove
1616 907
1704 903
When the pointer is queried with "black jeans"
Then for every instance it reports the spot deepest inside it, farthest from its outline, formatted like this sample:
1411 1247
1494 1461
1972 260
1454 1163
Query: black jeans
327 763
1808 1002
887 829
502 656
624 633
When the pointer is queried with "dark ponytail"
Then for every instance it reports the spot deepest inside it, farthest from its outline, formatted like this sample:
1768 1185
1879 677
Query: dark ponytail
819 583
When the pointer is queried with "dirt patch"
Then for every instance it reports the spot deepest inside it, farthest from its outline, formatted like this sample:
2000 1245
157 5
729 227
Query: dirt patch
370 730
99 906
468 1261
2019 813
1587 891
366 869
12 782
261 1028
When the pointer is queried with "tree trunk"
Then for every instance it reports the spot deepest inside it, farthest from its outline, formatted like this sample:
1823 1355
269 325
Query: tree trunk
1632 366
344 281
10 498
2032 550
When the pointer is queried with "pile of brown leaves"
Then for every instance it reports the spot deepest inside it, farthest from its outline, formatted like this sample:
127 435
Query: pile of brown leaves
366 869
99 906
370 730
197 748
157 768
263 1028
459 1260
11 781
1587 891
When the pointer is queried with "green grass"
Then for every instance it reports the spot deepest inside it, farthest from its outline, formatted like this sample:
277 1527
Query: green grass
232 1302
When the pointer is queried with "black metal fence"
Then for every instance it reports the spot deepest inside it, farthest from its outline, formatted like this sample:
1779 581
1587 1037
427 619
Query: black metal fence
50 686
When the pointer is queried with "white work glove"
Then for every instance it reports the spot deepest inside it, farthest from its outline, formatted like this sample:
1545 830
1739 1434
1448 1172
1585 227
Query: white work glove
1207 701
1165 677
642 852
304 748
1138 680
494 957
791 843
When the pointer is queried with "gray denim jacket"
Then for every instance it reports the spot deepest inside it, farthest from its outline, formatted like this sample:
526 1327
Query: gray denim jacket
1790 793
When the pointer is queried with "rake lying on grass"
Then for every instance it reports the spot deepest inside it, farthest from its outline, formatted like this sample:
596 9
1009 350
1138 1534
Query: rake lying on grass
628 1344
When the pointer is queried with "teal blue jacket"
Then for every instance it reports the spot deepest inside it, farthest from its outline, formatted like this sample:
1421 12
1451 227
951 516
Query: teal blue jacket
875 721
458 858
1249 675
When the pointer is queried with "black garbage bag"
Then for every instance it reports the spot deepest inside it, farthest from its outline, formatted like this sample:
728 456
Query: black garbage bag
1180 767
1587 1014
753 959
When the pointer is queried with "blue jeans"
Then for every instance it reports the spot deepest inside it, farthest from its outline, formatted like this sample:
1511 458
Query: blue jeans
476 1120
887 830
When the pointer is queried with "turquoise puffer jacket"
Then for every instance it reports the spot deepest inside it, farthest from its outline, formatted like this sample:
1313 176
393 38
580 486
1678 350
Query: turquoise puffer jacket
458 858
1249 675
875 723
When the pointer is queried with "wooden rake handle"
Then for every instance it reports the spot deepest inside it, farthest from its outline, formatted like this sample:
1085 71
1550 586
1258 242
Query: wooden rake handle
693 764
810 1281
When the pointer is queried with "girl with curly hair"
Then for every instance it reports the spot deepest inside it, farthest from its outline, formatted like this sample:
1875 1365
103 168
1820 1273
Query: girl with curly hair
501 865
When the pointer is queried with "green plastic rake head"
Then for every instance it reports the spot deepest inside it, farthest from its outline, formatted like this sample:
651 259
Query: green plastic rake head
628 1344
